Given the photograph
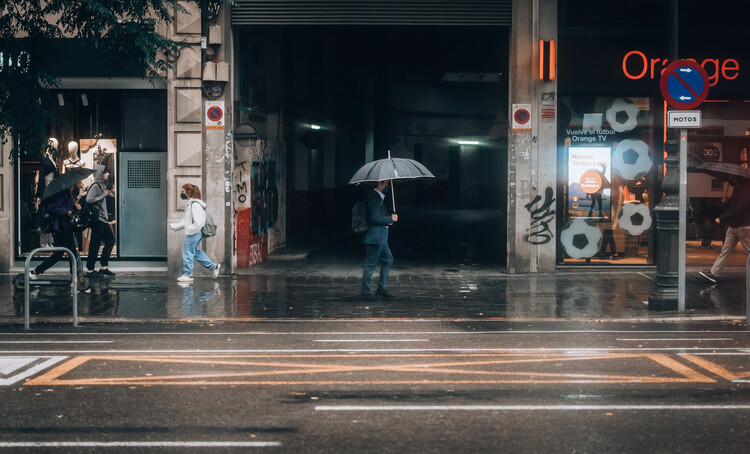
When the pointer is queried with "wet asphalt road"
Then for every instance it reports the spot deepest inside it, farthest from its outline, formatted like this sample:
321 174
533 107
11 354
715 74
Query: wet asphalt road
385 386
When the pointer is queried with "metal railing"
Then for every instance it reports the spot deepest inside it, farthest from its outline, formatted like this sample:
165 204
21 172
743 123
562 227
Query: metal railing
73 279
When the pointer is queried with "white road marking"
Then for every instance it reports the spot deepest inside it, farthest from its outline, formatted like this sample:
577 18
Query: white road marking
371 333
371 340
679 339
527 407
138 444
20 364
572 350
31 341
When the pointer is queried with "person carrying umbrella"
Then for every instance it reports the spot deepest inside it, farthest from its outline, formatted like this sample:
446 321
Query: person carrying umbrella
736 216
376 243
62 205
382 172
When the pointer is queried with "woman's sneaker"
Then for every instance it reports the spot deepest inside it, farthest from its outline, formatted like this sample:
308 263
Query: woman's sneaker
184 278
106 272
216 271
709 276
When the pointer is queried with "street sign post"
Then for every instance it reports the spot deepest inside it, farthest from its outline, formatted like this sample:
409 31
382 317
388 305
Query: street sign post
684 85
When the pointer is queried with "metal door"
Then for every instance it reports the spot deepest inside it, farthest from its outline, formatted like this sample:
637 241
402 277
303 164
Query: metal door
143 204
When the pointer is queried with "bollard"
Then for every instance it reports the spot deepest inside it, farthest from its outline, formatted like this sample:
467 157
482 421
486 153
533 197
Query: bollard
73 279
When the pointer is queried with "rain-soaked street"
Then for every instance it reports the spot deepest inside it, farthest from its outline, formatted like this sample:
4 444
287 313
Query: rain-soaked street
286 358
386 386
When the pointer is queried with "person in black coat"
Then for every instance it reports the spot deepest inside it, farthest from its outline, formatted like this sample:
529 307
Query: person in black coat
63 206
737 218
376 243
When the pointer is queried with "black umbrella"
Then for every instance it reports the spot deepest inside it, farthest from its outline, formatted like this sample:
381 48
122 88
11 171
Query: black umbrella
391 169
66 180
723 170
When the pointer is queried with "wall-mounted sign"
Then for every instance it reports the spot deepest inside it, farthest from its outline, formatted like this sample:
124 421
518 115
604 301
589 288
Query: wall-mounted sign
214 115
521 118
589 177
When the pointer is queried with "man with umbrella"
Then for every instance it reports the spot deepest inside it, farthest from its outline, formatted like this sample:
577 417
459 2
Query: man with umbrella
376 242
736 216
383 172
62 205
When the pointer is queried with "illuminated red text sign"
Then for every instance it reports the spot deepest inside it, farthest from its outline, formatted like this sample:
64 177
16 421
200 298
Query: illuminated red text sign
635 65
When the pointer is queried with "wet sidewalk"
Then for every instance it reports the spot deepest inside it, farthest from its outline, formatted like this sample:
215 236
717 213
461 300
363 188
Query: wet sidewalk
324 287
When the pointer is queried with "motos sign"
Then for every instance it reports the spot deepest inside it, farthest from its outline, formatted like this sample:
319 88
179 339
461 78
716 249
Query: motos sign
636 65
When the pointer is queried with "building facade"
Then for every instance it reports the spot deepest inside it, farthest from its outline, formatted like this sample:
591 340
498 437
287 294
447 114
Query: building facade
542 121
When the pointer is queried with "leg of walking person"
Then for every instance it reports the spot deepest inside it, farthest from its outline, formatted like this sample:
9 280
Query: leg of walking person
201 256
61 240
94 243
730 241
371 260
108 238
188 254
386 260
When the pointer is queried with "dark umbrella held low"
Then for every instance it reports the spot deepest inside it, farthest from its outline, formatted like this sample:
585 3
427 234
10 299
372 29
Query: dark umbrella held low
724 171
391 169
66 180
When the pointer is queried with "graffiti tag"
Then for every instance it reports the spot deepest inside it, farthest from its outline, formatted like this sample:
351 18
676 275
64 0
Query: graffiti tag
541 216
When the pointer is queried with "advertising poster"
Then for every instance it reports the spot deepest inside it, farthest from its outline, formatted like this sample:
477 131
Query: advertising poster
589 176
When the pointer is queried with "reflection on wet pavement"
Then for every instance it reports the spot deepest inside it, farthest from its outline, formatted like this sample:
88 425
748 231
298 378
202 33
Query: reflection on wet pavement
433 293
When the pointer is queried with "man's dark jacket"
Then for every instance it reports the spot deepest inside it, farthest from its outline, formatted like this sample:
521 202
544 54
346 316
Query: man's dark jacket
378 218
737 213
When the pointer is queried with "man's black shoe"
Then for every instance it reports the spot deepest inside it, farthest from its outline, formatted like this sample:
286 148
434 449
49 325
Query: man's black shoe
385 295
367 297
709 276
106 272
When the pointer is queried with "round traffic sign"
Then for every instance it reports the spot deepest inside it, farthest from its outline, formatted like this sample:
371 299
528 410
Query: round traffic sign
214 113
522 116
684 84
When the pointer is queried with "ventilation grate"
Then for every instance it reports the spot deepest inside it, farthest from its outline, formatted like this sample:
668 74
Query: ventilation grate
144 174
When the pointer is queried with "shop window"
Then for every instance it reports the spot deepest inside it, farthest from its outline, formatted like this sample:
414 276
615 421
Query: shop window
609 153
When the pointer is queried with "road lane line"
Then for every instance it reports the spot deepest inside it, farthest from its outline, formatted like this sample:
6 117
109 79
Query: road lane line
371 333
55 342
679 339
139 444
370 340
526 407
572 350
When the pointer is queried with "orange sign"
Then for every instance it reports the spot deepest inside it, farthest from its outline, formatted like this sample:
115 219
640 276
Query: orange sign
591 182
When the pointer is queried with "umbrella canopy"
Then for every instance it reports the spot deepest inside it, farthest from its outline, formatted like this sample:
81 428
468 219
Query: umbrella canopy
723 170
66 180
390 169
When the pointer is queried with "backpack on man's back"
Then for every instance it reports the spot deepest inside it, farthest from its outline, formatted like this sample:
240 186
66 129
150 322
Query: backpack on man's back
360 224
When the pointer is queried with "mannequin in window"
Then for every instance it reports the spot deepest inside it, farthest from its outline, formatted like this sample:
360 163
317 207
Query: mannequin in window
74 159
49 161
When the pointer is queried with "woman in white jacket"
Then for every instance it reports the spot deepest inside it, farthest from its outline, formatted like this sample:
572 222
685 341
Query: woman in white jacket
193 222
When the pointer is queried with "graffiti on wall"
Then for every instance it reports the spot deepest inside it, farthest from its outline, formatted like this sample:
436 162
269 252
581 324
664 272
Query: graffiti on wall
541 217
258 201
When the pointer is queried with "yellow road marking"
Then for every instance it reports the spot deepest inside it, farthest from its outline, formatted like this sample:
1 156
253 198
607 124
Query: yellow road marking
715 368
472 365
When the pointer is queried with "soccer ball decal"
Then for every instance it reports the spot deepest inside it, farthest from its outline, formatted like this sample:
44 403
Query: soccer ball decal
634 218
622 115
581 238
631 159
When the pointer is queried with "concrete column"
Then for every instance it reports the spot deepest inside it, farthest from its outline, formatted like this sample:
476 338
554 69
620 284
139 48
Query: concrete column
7 208
532 155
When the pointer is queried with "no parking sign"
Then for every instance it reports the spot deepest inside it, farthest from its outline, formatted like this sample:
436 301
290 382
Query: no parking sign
521 118
214 115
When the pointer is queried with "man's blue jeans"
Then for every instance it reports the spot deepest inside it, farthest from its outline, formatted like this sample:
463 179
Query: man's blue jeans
191 251
375 252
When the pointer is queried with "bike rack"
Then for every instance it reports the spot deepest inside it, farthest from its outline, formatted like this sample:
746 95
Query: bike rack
73 278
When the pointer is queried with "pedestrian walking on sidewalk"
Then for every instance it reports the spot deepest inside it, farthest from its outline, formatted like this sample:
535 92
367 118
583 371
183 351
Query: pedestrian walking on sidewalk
63 207
193 222
737 218
376 243
101 231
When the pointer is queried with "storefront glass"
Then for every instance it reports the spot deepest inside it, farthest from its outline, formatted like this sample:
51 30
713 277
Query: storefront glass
609 154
